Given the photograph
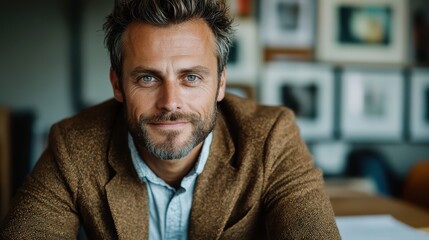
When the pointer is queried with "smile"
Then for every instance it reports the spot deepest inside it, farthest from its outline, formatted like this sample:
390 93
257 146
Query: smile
173 125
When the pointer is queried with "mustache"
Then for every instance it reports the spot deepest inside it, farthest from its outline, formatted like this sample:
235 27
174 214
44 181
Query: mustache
163 117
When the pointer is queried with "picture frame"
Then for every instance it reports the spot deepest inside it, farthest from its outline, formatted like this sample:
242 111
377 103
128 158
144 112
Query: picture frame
419 105
242 90
241 8
243 59
420 35
288 23
330 156
308 90
372 106
363 32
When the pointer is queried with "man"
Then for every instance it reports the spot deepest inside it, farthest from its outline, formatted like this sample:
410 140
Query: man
173 157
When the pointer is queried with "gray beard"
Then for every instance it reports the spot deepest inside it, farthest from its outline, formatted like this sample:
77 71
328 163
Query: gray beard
167 149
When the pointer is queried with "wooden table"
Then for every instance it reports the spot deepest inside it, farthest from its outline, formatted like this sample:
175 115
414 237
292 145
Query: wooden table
347 203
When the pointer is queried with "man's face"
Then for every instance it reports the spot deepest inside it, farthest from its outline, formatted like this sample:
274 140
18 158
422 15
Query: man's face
169 86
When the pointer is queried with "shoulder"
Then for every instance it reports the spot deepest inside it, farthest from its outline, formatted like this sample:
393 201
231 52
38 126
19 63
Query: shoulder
258 131
249 117
85 137
97 116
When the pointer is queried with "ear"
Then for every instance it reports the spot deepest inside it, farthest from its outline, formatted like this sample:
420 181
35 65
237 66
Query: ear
222 85
114 80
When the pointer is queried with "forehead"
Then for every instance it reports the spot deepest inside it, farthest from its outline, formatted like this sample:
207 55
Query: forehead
189 37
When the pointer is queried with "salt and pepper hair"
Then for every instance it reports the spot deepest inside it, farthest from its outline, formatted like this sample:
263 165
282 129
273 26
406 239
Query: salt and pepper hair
163 13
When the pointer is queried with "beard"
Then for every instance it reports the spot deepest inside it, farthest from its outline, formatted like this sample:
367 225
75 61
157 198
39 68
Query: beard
170 149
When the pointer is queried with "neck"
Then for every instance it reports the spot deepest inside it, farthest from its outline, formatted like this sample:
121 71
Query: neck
171 171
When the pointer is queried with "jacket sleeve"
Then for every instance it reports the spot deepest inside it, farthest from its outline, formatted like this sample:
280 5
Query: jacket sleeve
43 207
296 206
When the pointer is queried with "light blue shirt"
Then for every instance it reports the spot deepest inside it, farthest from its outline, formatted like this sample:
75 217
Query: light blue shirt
169 209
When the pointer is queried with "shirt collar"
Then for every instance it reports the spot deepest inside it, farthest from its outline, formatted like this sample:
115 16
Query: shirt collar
145 173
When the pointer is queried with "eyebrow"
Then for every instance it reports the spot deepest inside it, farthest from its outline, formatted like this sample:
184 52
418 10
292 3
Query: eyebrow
140 70
196 69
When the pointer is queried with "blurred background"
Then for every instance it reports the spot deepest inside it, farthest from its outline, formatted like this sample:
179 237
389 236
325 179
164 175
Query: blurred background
356 74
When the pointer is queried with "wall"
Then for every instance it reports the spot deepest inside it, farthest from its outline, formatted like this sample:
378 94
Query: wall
95 59
34 64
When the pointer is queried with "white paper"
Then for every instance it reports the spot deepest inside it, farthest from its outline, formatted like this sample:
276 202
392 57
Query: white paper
377 227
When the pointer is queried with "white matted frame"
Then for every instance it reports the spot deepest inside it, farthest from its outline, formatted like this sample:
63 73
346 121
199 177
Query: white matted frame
241 90
372 104
364 31
243 62
306 88
288 23
419 113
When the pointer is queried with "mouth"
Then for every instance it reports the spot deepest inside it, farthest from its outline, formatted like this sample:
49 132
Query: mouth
169 125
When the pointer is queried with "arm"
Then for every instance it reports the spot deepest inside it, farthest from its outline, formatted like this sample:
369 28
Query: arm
44 207
296 206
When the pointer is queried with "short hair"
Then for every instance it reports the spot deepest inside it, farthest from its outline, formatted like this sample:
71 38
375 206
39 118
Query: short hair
163 13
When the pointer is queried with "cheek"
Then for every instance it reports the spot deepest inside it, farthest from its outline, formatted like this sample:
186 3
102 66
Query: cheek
206 97
137 103
204 106
207 91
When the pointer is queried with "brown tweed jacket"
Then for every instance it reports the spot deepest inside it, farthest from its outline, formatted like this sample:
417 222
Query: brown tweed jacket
258 183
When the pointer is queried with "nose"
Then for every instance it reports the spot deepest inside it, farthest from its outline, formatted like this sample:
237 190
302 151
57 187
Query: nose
170 97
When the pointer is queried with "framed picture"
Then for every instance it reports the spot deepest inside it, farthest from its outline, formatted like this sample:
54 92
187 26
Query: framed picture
307 89
364 31
242 90
372 104
242 8
330 156
419 114
243 60
420 35
288 23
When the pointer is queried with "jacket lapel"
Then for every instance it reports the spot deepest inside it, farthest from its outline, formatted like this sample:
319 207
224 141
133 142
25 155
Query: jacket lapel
126 194
215 191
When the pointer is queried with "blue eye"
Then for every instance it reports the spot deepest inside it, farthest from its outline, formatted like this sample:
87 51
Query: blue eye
146 78
191 78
